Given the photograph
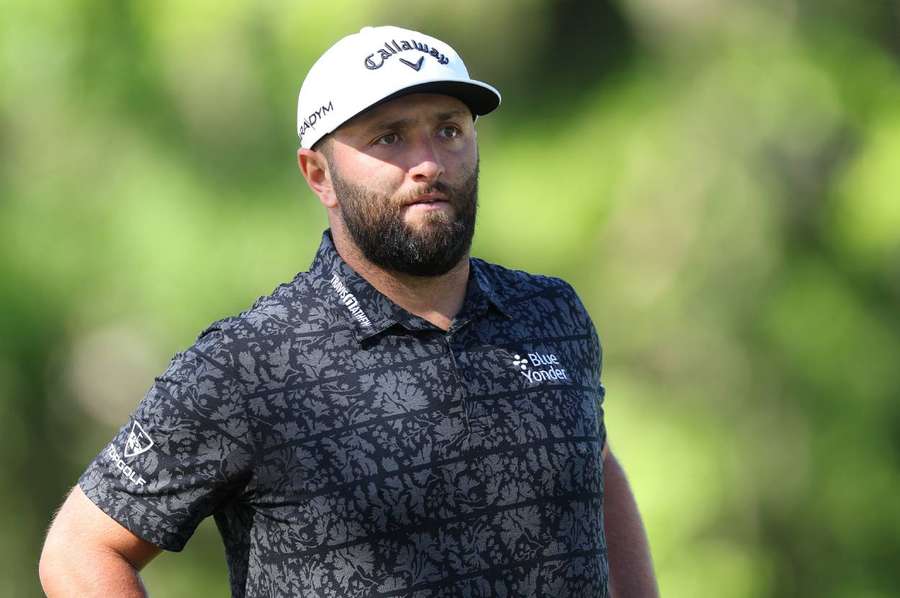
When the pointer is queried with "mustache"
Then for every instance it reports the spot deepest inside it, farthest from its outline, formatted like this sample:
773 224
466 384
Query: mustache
435 187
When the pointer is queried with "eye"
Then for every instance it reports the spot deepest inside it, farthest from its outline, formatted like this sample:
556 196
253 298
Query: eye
387 139
450 131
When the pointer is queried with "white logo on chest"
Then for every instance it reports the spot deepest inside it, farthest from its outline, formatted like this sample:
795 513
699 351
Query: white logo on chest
550 370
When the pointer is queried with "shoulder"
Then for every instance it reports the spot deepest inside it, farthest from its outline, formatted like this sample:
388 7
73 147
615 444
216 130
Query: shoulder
517 287
539 304
258 345
291 307
294 307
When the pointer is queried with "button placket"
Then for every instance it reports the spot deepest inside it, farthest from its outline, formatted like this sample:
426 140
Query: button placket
460 384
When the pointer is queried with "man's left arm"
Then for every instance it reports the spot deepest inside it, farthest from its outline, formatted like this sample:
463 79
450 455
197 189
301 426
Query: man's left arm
630 566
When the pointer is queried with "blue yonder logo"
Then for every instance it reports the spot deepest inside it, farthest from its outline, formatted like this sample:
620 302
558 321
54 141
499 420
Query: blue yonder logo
550 370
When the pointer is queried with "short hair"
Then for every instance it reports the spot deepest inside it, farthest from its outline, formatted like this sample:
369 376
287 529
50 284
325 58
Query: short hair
324 145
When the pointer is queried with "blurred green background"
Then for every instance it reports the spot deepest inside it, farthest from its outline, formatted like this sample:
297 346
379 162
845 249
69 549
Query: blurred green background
719 180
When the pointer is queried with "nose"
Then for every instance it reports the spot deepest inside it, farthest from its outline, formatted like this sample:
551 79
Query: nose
426 164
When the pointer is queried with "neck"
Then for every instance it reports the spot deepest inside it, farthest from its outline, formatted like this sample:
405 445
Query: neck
436 299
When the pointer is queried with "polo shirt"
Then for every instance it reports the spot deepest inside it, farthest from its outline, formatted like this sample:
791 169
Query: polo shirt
346 447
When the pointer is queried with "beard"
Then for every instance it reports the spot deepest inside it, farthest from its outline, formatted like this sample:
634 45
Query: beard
375 223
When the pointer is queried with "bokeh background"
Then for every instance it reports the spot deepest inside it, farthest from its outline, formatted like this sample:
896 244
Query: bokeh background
719 179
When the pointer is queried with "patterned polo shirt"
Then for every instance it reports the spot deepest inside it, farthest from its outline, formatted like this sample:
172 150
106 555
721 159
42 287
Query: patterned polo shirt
346 447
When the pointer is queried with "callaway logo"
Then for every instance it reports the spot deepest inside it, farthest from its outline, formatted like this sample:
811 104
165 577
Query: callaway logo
376 59
413 65
138 441
547 361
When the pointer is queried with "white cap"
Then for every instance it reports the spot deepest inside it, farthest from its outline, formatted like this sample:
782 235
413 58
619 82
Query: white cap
376 65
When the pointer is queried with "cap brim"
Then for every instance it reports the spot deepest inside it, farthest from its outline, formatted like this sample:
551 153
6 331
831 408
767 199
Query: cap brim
481 98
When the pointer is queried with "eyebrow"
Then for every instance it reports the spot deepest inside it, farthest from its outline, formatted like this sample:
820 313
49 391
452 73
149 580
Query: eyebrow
402 123
451 113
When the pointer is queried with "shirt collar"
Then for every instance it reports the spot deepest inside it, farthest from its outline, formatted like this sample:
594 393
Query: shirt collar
371 313
484 292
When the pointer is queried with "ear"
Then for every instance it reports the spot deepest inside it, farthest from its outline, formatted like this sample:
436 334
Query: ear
314 167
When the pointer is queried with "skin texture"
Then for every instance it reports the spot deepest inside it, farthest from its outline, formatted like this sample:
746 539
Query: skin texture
87 553
630 566
408 155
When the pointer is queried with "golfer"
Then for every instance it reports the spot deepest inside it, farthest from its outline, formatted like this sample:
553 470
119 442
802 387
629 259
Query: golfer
401 419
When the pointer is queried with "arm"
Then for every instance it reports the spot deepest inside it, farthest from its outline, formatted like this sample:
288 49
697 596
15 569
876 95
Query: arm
630 567
87 553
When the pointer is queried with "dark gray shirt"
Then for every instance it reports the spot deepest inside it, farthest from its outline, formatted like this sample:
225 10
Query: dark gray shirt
348 448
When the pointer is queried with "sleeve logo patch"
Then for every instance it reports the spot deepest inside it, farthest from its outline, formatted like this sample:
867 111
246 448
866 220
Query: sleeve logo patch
138 441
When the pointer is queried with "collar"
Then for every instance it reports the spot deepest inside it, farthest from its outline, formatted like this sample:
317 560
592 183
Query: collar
370 313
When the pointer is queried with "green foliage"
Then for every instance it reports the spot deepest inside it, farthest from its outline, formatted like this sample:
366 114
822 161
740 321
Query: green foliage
718 180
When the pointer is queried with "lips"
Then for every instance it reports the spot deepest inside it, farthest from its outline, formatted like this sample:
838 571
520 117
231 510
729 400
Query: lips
428 198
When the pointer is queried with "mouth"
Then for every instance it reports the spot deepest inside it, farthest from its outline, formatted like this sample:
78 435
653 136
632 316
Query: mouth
428 199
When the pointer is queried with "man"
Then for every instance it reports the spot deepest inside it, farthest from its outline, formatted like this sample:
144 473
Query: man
401 420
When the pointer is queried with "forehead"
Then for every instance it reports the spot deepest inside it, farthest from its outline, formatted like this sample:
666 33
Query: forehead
415 106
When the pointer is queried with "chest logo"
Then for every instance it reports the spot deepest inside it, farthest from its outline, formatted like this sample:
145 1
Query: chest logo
540 367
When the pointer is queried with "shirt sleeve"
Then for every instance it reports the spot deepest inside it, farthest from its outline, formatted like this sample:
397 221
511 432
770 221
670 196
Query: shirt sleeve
184 451
600 394
595 356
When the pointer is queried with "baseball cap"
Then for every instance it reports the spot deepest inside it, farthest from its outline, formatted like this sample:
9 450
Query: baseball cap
376 65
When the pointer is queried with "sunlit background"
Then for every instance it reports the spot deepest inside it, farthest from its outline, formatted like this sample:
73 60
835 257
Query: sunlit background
720 180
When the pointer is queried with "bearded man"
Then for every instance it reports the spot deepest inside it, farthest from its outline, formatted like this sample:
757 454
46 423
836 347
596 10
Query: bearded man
401 419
